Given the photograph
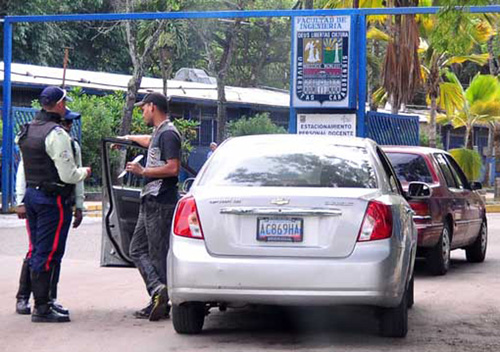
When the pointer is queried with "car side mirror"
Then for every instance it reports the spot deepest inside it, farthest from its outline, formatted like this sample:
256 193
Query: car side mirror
476 185
186 185
419 190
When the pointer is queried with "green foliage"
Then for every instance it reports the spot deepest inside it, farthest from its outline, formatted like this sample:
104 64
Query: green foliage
188 130
424 140
450 21
100 118
470 162
259 124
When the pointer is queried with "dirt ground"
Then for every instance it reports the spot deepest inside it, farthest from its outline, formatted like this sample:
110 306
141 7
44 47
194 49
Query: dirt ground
457 312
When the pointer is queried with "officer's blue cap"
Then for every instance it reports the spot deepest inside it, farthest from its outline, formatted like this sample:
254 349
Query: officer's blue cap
70 115
52 95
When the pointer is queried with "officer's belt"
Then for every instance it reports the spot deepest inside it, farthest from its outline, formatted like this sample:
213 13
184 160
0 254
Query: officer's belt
52 188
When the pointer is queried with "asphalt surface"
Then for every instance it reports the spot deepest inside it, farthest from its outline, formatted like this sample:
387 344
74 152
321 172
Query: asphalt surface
457 312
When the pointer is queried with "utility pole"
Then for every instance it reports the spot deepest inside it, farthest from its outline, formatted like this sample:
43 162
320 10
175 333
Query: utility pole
65 65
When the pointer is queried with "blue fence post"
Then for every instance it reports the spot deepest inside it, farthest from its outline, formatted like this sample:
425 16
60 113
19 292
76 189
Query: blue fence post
362 86
6 116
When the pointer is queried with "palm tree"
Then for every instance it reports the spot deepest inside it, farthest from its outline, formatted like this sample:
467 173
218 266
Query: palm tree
481 105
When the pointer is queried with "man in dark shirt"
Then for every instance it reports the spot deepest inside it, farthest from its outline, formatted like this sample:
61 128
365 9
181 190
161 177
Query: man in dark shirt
150 241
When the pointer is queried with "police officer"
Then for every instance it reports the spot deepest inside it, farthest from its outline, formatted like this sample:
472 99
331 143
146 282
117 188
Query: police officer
51 174
24 292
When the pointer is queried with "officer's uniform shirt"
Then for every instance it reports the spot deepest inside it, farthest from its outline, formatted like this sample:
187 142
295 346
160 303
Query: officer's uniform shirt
58 147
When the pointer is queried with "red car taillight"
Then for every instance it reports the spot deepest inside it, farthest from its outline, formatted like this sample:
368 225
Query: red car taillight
186 219
377 223
420 208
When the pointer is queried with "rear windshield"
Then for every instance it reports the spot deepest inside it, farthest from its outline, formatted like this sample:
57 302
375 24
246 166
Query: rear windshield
410 167
288 165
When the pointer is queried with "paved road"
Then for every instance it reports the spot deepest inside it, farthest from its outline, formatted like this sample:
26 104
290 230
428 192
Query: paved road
458 312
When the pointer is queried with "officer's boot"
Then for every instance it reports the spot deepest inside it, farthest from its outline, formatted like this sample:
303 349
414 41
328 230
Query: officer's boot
54 281
43 312
24 292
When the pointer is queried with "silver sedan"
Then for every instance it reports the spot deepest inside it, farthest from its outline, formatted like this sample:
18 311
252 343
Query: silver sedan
294 220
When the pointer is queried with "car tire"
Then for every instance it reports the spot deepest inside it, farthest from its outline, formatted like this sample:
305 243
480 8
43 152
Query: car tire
188 318
394 321
411 292
438 259
476 252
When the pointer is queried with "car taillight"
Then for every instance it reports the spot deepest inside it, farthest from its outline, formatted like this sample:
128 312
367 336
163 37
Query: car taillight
420 208
377 223
186 219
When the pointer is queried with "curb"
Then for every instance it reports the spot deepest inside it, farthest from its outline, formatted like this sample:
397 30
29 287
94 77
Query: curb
96 207
492 208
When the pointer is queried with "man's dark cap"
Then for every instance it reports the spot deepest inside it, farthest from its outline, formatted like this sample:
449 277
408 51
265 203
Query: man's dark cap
70 115
157 99
52 95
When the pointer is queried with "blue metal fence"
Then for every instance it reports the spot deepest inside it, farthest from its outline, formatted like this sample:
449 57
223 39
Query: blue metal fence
389 129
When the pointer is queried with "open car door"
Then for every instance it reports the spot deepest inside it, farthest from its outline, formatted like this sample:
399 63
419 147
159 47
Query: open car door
121 199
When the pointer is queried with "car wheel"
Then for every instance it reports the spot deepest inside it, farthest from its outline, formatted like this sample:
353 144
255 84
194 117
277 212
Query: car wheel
476 252
188 318
394 321
411 294
438 260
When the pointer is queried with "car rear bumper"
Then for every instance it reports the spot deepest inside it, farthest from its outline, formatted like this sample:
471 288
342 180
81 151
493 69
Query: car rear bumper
428 234
374 274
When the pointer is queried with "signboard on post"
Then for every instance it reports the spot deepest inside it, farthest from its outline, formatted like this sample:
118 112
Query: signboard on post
322 69
340 125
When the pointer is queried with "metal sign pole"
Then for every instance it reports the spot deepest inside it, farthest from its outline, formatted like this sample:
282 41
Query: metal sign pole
362 86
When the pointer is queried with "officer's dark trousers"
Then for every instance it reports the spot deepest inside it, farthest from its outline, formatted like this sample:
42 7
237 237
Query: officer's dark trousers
150 242
49 218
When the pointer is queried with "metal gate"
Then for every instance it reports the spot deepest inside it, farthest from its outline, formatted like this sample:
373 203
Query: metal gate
389 129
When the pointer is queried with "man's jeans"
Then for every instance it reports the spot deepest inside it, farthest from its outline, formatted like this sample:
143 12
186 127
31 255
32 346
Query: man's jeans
150 242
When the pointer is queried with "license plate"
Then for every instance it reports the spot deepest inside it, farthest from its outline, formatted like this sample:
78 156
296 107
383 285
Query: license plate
280 229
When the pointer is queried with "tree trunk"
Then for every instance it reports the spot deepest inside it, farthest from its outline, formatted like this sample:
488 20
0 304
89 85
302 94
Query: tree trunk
489 153
432 123
221 110
491 59
468 142
309 4
496 147
133 87
166 69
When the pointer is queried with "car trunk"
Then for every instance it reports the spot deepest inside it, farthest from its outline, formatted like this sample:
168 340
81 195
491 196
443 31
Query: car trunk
281 221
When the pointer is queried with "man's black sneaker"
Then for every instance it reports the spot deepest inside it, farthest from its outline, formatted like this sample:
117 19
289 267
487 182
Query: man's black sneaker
160 308
23 306
145 312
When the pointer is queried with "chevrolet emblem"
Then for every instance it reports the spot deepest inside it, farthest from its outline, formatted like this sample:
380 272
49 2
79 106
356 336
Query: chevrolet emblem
280 201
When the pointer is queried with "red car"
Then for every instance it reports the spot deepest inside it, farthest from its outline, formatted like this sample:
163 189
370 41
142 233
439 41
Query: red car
453 217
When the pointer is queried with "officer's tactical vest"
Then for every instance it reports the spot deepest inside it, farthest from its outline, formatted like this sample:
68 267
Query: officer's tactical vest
39 169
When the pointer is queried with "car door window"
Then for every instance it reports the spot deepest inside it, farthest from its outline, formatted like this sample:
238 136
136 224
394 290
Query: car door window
458 173
445 169
394 183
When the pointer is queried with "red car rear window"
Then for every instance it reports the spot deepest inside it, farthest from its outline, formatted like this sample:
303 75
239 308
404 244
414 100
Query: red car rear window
410 167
